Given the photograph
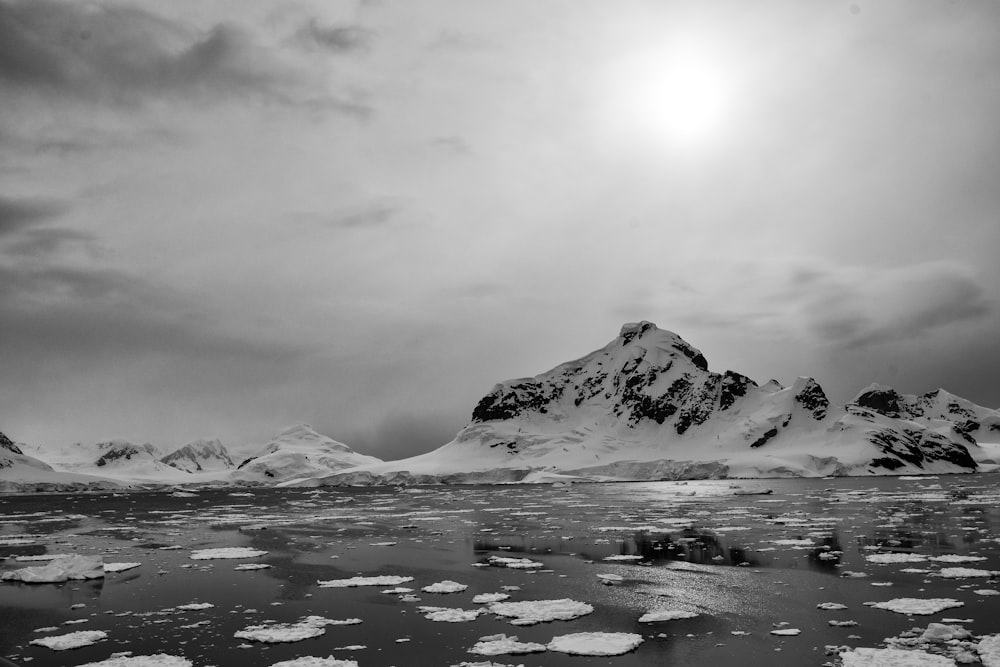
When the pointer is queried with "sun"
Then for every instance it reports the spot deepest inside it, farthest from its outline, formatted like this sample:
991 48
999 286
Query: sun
679 95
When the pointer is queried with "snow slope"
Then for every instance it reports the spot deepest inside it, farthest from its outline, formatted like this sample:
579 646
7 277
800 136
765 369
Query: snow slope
646 406
201 456
298 452
20 472
113 459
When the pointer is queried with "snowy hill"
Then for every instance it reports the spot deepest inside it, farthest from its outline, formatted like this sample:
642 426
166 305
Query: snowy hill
646 406
296 452
200 456
114 459
20 472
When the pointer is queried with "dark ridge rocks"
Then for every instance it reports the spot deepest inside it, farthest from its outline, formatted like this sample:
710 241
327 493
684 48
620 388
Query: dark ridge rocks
812 397
520 397
123 452
8 444
883 400
732 386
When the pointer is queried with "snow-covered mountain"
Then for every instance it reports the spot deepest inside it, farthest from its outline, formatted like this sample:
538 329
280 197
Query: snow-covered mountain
201 456
297 452
22 472
646 406
113 459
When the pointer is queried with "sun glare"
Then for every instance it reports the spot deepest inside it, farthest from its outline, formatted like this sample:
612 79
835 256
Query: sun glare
679 96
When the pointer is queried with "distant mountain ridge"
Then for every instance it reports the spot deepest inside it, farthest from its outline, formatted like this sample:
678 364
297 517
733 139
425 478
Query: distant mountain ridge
646 406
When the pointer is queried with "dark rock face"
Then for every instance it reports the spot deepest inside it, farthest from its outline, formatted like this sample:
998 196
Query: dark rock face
733 386
813 398
919 447
8 444
883 401
518 398
126 452
762 440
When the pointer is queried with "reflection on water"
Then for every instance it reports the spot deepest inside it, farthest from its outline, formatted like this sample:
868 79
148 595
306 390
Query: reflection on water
743 562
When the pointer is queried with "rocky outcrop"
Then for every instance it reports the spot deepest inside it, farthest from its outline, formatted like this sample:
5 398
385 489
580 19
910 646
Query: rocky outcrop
200 456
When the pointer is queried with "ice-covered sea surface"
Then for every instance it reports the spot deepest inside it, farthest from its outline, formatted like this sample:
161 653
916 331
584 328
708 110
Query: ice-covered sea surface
720 571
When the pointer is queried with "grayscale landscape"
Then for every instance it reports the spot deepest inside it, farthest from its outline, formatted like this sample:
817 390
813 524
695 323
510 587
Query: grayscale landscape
370 333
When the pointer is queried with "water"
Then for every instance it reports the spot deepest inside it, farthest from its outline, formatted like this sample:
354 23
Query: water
744 563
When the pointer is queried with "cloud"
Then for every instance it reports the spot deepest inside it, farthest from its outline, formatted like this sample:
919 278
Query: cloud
867 306
336 38
18 214
123 55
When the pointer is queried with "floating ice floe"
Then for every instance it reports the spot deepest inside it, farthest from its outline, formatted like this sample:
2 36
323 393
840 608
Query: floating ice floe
891 657
623 557
385 580
963 573
449 615
541 611
305 628
918 606
595 643
841 624
246 567
786 632
666 615
986 591
194 606
59 570
310 661
226 553
40 557
71 640
120 567
515 563
610 578
503 645
490 598
989 651
956 558
831 606
445 586
883 559
157 660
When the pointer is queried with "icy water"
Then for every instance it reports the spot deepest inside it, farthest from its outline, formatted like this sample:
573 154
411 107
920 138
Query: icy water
745 564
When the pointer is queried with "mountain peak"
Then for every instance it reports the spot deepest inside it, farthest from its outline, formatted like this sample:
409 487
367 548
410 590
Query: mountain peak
8 444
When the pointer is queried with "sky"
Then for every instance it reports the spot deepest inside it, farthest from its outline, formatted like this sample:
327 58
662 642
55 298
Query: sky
219 218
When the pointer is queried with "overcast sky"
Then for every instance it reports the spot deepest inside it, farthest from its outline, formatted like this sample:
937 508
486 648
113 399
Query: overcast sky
219 218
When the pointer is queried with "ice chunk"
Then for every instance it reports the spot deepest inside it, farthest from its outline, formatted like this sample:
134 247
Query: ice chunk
489 598
445 586
891 657
623 557
310 661
157 660
447 615
385 580
989 651
939 632
918 606
831 606
226 553
503 645
71 640
59 570
963 573
306 628
245 567
883 559
194 606
666 615
595 643
120 567
541 611
515 563
786 632
955 558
